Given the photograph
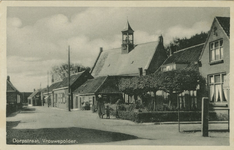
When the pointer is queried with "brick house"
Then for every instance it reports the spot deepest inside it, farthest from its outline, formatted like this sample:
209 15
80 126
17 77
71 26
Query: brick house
130 59
215 62
13 97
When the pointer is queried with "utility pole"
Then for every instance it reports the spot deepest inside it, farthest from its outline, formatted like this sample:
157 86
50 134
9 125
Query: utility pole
48 88
69 91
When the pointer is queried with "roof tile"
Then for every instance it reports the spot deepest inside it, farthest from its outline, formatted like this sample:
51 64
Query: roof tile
186 55
225 23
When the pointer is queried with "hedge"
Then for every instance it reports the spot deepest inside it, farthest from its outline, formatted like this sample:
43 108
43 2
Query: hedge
162 116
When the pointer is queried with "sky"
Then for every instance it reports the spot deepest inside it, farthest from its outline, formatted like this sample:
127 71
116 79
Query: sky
38 37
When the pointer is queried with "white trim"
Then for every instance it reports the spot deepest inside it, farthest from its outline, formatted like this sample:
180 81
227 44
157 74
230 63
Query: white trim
66 87
189 48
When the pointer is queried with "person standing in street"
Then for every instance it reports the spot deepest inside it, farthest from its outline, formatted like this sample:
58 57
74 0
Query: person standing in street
100 106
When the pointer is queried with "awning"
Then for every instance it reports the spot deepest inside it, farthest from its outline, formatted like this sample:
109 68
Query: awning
226 82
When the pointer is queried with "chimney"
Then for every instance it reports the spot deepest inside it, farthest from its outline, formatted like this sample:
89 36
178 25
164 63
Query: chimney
160 38
78 69
140 71
171 52
101 49
8 78
34 90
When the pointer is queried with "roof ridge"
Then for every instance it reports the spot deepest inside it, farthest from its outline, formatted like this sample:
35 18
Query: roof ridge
11 84
101 83
189 47
134 44
221 17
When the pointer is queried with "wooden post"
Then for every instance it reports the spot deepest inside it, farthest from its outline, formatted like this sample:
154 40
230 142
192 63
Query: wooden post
69 105
228 120
178 113
205 116
48 88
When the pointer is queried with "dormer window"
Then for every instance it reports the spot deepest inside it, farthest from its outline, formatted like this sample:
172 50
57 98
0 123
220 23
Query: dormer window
216 51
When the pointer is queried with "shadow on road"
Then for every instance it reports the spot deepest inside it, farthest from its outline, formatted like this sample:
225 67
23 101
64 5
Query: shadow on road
27 110
80 135
11 124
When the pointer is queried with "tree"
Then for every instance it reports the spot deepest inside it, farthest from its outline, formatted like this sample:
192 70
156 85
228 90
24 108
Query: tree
172 82
177 81
181 43
61 71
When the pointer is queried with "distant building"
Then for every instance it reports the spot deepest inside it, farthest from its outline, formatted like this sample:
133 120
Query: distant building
25 96
13 97
57 93
35 98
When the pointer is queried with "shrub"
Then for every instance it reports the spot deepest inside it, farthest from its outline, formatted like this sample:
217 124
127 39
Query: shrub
163 116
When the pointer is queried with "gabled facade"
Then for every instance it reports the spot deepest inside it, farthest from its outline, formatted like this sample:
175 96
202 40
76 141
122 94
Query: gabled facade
13 97
215 61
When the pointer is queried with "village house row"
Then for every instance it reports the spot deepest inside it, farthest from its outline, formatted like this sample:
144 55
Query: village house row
211 59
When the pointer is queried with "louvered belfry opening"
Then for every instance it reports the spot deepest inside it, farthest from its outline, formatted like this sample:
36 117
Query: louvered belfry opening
127 39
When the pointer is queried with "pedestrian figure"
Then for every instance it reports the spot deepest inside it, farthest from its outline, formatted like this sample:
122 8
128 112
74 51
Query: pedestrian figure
101 107
107 112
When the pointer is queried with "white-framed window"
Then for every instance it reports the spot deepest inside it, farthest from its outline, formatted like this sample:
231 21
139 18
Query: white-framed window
182 100
216 50
193 99
18 98
217 93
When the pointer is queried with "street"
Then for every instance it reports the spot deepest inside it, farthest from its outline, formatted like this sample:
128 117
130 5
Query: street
42 125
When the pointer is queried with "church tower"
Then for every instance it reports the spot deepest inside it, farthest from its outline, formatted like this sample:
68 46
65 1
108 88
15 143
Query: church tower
127 39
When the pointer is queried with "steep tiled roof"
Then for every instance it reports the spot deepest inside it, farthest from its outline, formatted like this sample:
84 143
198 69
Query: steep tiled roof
186 55
101 85
11 87
112 62
73 78
91 85
225 23
54 86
